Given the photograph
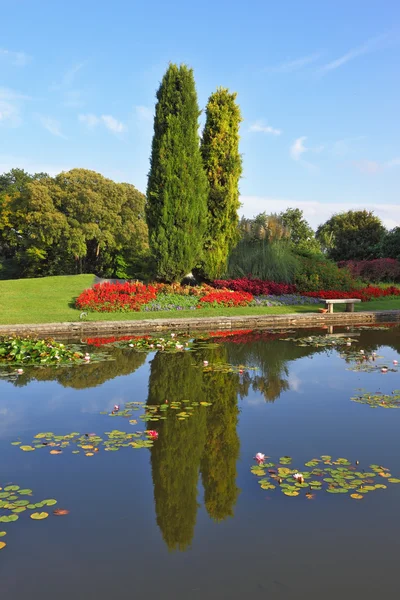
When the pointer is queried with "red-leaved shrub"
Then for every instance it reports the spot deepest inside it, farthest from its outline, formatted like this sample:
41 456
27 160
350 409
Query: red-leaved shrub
364 294
226 298
113 297
256 287
375 271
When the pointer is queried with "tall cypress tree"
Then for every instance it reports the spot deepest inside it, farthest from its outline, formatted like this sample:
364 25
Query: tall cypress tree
223 167
177 186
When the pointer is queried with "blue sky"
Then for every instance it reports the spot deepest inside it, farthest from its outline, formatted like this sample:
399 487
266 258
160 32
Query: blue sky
317 82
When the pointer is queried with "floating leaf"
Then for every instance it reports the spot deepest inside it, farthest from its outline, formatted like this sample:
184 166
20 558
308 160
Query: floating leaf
39 516
3 533
11 488
393 480
60 512
2 545
27 448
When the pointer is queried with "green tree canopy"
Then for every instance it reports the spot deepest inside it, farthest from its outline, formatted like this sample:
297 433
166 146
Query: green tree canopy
177 185
352 235
76 222
391 244
223 167
302 237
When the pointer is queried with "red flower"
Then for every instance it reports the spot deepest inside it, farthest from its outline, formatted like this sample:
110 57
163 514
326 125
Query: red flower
153 434
226 298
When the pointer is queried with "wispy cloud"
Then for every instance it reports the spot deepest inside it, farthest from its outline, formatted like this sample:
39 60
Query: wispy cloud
10 107
294 65
260 127
372 167
298 149
73 99
18 59
68 78
111 123
52 125
369 46
144 113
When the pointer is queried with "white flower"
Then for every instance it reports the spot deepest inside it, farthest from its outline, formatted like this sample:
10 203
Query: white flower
130 345
173 335
205 363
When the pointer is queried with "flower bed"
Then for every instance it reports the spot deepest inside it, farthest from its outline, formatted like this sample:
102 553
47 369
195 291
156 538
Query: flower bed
113 297
256 287
226 298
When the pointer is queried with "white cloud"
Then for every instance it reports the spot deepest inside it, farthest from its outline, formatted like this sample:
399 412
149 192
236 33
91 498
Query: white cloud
260 127
294 65
9 114
52 125
89 120
113 124
144 113
316 212
10 107
18 59
110 122
395 162
370 167
298 148
369 46
73 99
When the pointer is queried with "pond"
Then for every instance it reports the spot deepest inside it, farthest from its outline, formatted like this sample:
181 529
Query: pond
181 513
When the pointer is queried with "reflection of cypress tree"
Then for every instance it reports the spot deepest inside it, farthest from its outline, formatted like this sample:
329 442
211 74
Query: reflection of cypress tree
125 362
221 451
175 456
271 357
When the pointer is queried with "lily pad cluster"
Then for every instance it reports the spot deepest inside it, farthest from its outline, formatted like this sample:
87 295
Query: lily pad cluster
174 343
14 501
89 443
226 368
366 363
27 351
379 400
321 341
182 409
322 475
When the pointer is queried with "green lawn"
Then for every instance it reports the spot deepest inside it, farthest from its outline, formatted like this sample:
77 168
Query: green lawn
50 300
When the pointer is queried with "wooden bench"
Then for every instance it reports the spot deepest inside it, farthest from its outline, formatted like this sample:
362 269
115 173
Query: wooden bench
349 302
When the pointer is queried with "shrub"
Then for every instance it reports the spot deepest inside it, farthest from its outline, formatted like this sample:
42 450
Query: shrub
257 287
364 294
375 271
315 274
225 298
183 290
113 297
268 261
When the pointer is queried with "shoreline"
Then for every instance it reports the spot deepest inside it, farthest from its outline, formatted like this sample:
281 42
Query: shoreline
145 326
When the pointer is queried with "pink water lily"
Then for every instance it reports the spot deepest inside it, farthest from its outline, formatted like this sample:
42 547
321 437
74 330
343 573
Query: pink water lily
260 457
153 434
116 407
299 477
384 370
395 362
20 371
205 363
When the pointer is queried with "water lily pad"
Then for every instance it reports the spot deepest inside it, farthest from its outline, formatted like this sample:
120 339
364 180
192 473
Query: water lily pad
3 533
27 448
356 496
2 545
39 516
393 480
11 488
50 502
25 492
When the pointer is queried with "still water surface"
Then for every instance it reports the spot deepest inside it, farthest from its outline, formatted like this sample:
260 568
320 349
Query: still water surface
187 519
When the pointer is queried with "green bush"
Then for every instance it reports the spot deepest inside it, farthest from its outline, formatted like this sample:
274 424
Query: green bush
316 274
263 260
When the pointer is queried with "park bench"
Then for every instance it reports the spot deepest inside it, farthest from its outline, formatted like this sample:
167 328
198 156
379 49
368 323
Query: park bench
349 302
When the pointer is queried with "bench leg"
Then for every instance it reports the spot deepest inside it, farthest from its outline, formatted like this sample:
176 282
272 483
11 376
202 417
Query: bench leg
330 308
350 307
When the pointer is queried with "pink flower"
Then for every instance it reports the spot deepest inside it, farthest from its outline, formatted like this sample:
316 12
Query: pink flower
260 457
153 434
20 371
116 407
205 363
384 370
395 362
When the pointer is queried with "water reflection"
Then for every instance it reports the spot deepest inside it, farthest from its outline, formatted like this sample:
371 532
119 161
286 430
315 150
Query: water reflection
207 442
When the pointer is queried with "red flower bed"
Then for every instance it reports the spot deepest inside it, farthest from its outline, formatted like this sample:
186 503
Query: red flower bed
226 298
112 297
363 294
380 269
256 287
99 341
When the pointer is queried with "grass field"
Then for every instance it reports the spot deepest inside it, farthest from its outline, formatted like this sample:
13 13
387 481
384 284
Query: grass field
50 300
